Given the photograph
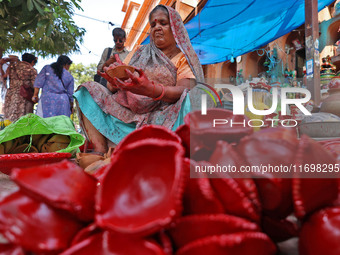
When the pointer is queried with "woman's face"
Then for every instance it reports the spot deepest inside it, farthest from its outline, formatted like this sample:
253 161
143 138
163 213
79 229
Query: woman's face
67 66
161 32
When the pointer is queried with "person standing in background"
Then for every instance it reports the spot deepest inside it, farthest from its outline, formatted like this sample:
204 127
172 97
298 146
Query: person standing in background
108 55
19 73
57 86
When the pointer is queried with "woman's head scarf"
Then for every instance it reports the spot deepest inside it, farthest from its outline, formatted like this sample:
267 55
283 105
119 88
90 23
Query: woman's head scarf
183 42
149 56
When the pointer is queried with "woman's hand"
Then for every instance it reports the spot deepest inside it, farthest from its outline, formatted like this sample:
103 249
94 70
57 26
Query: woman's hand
141 85
35 99
111 87
138 84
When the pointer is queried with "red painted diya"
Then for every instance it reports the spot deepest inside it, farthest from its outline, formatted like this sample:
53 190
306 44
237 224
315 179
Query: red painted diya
320 233
142 195
203 131
62 185
35 226
108 243
254 243
200 187
148 131
193 227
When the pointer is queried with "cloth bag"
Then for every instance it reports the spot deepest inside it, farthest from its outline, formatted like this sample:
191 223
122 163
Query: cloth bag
32 124
97 77
26 92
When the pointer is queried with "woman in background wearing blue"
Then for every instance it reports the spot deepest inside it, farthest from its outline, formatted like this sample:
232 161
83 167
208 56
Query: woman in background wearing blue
57 86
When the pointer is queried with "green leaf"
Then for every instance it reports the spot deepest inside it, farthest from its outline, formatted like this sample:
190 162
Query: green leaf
71 29
76 4
43 22
23 27
41 3
49 30
37 6
40 33
29 5
15 3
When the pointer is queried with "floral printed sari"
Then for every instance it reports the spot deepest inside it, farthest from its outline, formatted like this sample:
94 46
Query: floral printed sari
21 73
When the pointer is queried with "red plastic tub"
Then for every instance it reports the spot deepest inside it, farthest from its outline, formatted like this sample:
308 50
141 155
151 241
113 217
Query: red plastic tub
22 160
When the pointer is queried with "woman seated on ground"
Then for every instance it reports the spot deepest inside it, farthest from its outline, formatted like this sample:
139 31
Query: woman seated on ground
157 93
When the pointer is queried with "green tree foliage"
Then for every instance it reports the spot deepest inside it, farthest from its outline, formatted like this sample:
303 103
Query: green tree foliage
82 73
43 26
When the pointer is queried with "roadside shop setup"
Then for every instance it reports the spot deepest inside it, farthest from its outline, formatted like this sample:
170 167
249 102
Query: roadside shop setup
250 27
276 84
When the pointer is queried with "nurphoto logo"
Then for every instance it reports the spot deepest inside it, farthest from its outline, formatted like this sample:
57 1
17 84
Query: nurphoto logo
239 105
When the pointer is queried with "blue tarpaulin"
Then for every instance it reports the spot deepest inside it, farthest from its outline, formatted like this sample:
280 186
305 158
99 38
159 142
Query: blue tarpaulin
233 27
226 28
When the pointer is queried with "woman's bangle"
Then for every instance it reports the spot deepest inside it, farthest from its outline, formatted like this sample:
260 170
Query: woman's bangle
162 94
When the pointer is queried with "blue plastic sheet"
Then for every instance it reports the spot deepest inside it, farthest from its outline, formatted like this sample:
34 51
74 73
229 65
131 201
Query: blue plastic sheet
226 28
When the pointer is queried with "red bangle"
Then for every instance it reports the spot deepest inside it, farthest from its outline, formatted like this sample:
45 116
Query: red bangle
153 90
162 94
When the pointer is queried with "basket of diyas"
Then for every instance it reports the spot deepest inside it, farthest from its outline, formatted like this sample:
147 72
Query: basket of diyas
27 151
35 143
119 71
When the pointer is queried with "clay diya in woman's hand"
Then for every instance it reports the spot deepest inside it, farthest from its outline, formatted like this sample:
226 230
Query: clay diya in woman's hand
119 71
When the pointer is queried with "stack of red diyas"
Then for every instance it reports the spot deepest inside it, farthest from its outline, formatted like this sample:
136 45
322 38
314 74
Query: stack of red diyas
144 201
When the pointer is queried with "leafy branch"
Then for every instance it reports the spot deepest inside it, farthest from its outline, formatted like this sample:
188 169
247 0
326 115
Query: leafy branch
45 26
